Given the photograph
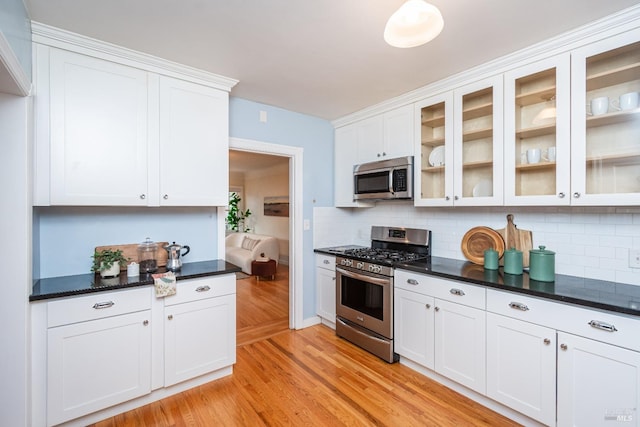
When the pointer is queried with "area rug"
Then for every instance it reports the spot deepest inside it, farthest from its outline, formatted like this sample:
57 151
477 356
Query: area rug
240 275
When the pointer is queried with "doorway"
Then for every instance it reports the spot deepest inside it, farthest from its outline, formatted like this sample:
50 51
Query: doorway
294 157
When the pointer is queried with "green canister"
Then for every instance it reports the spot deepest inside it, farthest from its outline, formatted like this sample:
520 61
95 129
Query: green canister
513 261
542 265
491 259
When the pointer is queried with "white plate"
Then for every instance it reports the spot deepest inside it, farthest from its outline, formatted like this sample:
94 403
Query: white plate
484 188
436 158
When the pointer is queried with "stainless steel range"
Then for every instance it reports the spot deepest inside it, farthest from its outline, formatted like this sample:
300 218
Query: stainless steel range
364 286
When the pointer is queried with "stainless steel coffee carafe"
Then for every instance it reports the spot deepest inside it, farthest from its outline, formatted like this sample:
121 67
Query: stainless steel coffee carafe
173 261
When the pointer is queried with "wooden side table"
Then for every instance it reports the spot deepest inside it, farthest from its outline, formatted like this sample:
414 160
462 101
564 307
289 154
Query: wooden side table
263 269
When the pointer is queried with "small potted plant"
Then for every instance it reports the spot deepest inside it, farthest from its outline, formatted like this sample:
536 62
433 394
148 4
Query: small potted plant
108 262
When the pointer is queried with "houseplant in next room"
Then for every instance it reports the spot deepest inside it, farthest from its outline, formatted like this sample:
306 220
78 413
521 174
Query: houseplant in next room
108 262
235 216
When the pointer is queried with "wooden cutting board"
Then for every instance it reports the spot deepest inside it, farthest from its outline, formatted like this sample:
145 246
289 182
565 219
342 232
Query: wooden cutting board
130 251
513 237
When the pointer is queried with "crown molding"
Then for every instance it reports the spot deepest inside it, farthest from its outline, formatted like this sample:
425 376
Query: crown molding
13 79
619 22
62 39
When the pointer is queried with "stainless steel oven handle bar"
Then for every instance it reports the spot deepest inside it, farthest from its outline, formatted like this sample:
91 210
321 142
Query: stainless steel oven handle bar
367 336
364 277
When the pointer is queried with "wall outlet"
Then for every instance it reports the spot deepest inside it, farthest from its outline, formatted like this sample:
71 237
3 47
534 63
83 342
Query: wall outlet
634 258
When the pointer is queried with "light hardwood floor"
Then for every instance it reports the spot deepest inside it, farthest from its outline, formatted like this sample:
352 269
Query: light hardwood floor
308 377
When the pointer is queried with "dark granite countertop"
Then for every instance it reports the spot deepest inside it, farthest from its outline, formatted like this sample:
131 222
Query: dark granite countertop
65 286
601 294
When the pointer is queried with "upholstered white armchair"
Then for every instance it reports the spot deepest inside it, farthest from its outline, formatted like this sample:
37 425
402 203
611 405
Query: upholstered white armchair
243 248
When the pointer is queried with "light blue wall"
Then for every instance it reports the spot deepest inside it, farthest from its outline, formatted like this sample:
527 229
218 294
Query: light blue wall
315 136
65 236
15 25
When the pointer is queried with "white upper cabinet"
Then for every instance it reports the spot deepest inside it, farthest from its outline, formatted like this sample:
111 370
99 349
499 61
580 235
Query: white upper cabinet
477 143
536 123
433 165
194 144
109 134
605 151
98 131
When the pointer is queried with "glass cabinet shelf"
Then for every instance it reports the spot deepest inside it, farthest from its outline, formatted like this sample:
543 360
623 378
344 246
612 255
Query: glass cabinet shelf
478 111
613 77
524 167
433 122
613 118
470 135
433 142
532 132
535 97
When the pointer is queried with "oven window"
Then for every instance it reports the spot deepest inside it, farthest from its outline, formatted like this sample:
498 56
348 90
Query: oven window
372 183
364 297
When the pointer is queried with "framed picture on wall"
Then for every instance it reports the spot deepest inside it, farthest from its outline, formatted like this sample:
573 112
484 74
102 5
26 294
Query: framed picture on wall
276 206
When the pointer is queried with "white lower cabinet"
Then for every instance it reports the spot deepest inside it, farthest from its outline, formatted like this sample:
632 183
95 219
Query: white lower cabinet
521 366
460 352
598 383
94 363
187 352
414 327
326 287
102 349
435 332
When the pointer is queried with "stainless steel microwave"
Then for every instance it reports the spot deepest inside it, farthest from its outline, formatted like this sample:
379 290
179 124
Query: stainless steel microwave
390 179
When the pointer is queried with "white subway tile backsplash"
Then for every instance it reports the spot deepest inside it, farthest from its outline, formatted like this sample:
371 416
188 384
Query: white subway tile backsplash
589 242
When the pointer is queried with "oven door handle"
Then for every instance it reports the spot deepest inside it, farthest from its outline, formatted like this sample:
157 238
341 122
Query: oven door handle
363 277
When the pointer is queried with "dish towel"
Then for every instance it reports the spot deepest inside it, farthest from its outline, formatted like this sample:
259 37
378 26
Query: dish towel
165 284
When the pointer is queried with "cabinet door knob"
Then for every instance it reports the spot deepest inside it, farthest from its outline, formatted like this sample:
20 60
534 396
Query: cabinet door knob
437 309
547 341
378 154
563 346
145 323
143 196
561 195
384 154
170 317
446 197
576 195
166 196
428 305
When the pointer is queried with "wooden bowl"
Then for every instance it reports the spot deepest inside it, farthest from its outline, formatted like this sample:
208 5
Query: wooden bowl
479 239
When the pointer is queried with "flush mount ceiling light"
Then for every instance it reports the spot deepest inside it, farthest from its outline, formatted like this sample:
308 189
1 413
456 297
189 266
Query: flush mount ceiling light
414 24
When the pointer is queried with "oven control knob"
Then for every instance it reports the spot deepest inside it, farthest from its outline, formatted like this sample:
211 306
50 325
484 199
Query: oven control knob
347 262
360 265
375 268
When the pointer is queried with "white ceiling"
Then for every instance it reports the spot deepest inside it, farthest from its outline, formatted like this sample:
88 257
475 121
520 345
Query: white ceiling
244 161
325 58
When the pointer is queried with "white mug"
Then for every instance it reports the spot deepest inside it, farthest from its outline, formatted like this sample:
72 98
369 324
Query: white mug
533 155
599 106
550 154
627 101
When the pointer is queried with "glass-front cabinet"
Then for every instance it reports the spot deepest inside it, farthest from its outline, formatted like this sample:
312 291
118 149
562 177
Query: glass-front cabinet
606 122
477 146
433 170
537 133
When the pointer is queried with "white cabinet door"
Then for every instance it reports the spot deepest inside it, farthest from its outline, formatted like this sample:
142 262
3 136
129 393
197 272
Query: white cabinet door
521 367
345 157
414 326
96 364
433 164
460 344
598 384
605 158
398 132
194 143
98 131
200 337
326 293
537 117
478 143
371 139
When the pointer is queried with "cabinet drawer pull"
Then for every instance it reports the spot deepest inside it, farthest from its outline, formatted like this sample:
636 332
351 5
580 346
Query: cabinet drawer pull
602 325
100 305
204 288
518 306
412 281
458 292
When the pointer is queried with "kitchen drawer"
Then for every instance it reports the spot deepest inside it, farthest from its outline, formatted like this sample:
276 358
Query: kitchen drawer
206 287
448 290
97 305
568 318
326 261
